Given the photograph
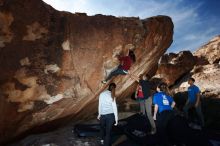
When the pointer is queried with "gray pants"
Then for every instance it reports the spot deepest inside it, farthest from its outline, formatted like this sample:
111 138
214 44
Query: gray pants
116 72
142 106
148 105
198 112
146 109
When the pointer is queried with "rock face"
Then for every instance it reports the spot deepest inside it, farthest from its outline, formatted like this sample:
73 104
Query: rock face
207 78
210 51
52 62
173 66
206 73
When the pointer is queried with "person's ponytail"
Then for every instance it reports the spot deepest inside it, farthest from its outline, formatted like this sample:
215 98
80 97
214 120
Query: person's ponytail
111 88
164 88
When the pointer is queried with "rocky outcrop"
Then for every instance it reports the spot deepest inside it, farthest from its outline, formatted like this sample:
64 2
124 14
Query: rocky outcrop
210 51
174 66
52 62
207 78
206 73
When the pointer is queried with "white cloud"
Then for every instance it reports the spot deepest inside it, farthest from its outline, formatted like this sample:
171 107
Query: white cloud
190 37
198 39
187 20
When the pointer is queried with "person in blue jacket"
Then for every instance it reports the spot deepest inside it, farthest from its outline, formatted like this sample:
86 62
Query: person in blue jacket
163 111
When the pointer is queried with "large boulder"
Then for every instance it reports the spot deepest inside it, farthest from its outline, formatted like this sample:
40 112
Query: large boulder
174 66
52 62
210 51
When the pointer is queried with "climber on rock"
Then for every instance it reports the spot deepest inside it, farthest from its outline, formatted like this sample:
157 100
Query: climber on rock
123 68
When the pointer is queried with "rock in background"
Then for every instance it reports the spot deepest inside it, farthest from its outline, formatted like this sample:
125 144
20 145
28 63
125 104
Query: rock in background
174 66
52 62
204 67
210 51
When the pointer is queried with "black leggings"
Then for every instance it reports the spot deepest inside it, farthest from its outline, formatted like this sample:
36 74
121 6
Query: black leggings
162 122
174 128
107 122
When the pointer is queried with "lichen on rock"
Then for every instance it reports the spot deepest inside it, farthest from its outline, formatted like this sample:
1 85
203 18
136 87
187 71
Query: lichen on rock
35 31
6 34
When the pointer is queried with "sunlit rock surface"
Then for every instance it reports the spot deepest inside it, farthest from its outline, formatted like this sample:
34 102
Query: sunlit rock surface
52 62
174 66
206 73
210 51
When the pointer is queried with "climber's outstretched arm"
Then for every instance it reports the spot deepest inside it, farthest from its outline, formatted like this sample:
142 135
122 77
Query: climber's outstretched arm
136 78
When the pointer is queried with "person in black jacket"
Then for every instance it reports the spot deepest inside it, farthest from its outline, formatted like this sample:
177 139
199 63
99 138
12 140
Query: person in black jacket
147 99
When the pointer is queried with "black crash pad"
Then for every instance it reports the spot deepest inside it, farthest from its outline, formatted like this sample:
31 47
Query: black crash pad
92 130
137 127
87 130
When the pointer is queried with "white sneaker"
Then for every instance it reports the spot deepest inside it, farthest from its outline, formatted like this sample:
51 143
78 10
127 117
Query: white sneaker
102 142
153 132
197 127
126 72
104 82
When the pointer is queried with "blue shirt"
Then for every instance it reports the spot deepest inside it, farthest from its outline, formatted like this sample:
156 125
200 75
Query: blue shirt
163 101
192 92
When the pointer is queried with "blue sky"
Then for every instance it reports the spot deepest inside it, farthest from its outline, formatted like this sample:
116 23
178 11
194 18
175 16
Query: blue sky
195 21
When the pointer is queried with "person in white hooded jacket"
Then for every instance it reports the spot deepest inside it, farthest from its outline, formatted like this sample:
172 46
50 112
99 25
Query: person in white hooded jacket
107 113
